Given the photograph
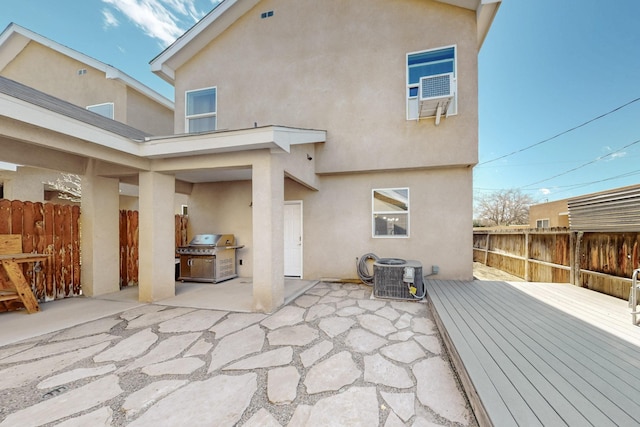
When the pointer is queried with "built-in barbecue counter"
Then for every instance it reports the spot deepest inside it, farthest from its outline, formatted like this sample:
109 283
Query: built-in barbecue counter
209 258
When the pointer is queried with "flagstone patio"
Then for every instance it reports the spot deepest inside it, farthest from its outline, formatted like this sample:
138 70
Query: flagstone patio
333 356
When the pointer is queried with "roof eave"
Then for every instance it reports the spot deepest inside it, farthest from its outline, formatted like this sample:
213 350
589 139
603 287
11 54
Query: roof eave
197 37
485 12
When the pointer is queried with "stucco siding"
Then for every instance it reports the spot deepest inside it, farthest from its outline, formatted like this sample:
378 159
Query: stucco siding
338 221
147 115
341 67
63 81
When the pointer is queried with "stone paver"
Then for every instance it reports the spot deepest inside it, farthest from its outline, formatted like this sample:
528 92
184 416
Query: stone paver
237 345
333 357
66 404
378 370
354 407
282 384
332 374
203 402
147 396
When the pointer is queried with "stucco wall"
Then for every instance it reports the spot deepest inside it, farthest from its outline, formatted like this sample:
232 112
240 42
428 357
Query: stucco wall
55 74
337 221
340 66
148 115
556 212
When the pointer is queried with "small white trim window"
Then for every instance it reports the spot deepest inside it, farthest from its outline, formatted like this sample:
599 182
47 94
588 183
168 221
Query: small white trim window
106 109
427 63
390 211
201 110
542 223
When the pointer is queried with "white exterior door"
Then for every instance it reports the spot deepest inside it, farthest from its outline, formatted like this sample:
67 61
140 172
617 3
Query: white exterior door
293 238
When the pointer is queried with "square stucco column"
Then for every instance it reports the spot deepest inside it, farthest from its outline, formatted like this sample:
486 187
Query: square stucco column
156 259
268 234
100 242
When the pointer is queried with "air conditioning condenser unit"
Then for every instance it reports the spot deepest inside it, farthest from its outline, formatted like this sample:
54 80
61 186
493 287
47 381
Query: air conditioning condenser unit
398 279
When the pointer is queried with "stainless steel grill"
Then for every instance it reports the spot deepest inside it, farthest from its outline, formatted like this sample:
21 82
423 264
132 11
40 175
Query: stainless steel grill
209 258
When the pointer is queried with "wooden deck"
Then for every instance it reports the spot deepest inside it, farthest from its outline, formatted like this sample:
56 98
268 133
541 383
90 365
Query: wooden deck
541 354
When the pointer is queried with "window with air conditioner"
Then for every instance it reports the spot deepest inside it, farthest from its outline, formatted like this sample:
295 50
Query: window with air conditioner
390 211
431 83
201 110
105 109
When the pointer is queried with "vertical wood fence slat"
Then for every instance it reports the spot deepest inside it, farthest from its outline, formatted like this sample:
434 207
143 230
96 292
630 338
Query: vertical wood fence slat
5 216
75 258
49 214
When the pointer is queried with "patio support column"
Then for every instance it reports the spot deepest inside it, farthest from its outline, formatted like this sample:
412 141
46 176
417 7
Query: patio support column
156 259
100 242
268 234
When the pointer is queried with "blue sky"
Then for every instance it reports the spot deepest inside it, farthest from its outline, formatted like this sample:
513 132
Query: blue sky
546 67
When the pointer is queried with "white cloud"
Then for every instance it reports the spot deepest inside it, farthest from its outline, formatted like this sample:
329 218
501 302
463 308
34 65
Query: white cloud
109 19
612 155
164 20
545 191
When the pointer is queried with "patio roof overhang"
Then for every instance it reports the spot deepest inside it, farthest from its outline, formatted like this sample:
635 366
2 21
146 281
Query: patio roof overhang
278 139
62 137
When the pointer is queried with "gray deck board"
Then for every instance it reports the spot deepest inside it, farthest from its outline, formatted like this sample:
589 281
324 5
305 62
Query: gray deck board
529 363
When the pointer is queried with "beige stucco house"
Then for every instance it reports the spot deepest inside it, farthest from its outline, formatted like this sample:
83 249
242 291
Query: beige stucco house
549 214
315 132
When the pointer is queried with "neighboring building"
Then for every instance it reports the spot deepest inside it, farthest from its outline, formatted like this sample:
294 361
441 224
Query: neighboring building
549 214
82 80
315 132
617 209
57 70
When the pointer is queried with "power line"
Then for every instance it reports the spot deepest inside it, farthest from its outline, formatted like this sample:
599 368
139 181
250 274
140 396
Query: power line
583 165
561 133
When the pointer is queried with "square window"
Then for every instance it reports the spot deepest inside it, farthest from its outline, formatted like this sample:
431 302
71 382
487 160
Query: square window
201 110
390 210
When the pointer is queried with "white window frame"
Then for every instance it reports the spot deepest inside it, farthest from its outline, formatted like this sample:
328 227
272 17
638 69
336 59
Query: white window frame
453 108
113 109
374 213
199 116
540 223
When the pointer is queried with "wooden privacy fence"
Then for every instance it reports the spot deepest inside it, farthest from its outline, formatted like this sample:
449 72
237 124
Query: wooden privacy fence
602 261
129 244
47 229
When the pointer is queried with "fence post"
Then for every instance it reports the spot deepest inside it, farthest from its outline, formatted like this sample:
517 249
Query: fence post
486 249
572 257
527 271
576 260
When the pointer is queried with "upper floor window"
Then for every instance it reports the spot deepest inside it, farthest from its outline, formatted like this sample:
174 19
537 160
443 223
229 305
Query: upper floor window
434 71
390 208
201 110
105 109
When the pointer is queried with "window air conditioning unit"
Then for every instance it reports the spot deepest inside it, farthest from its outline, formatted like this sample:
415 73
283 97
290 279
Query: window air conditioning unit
435 95
398 279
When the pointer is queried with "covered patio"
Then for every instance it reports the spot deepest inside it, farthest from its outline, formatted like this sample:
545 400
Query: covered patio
42 131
